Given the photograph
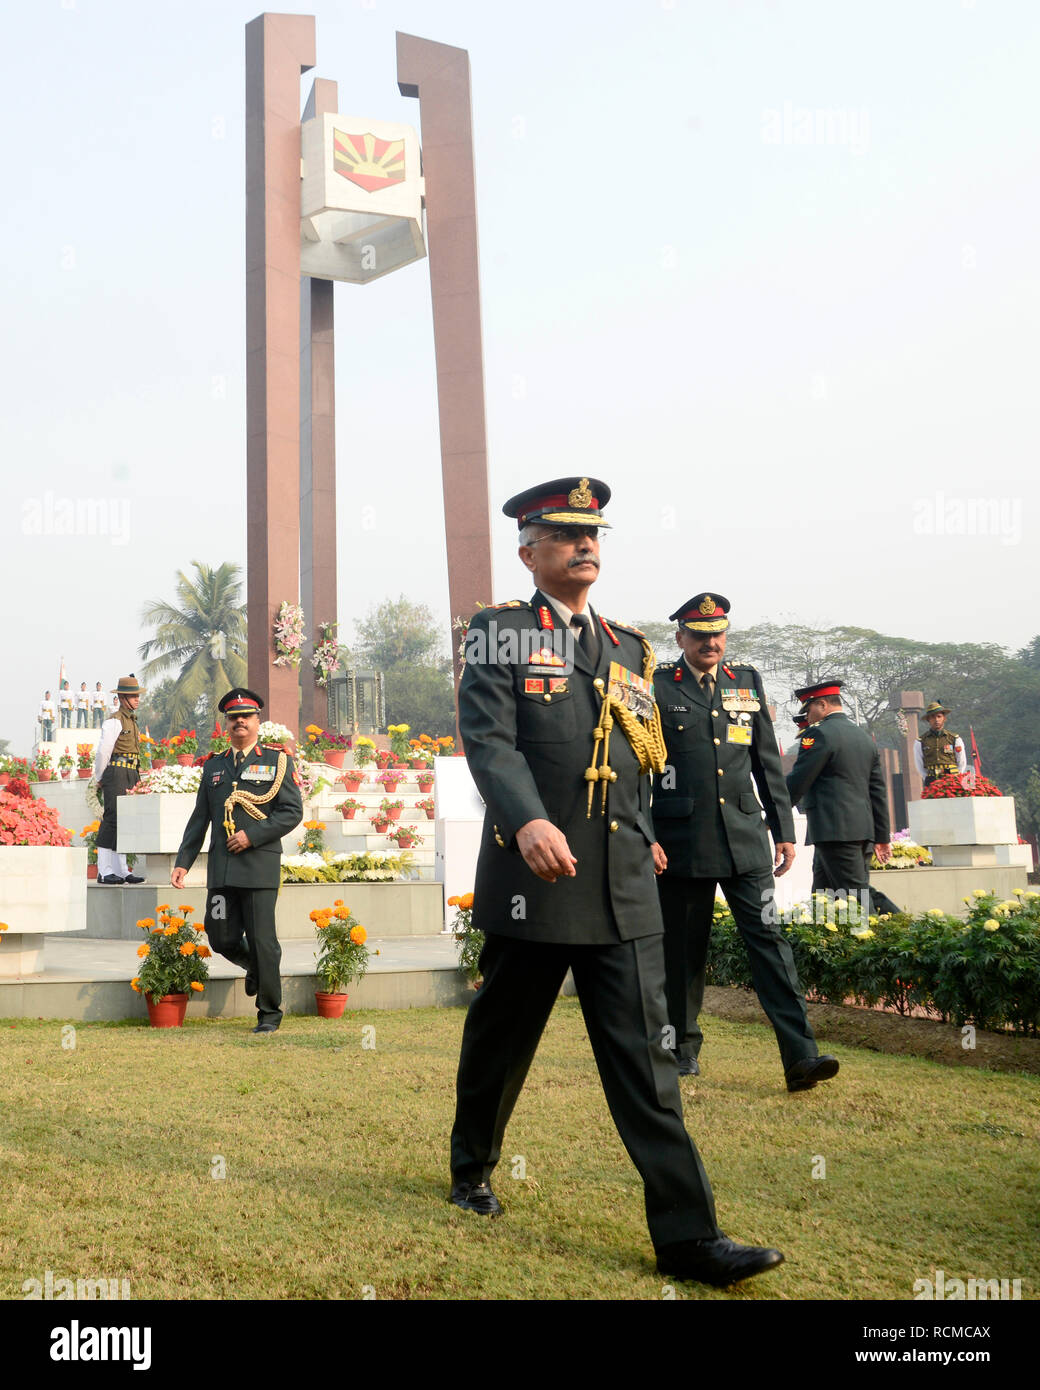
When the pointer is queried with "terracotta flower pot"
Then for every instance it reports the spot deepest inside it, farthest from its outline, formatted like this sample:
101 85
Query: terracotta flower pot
91 871
185 759
406 841
335 757
83 773
395 814
417 762
425 784
391 785
349 815
44 774
429 815
352 784
4 779
330 1005
168 1012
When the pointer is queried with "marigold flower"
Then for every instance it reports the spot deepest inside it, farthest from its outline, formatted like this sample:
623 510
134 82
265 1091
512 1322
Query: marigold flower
135 984
453 902
163 907
466 900
202 952
830 926
146 923
188 948
161 930
176 923
185 909
358 935
343 913
196 986
338 902
170 930
991 924
143 949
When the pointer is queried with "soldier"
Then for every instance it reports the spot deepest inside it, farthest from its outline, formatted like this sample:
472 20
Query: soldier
46 718
249 797
66 704
556 711
116 771
940 750
82 706
719 736
837 775
98 706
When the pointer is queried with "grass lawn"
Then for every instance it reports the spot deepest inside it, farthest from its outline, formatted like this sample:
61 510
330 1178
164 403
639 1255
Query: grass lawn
335 1160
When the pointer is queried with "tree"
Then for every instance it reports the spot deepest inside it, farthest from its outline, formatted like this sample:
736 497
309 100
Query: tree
402 639
661 637
203 641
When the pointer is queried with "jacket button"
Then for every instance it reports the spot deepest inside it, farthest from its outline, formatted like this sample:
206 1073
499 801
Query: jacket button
715 740
721 773
714 714
613 826
722 801
679 727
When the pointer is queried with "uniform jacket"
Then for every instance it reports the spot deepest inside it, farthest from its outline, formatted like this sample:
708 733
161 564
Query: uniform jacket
704 803
837 779
528 728
260 865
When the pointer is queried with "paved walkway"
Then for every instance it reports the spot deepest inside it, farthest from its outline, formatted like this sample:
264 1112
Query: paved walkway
68 958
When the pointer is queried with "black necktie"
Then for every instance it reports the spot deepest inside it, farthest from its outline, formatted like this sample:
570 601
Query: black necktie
585 637
239 755
706 685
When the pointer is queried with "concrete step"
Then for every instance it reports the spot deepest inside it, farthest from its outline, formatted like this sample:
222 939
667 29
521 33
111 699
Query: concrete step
90 980
415 908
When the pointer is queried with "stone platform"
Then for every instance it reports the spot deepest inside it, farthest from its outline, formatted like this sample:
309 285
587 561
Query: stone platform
90 980
384 909
917 890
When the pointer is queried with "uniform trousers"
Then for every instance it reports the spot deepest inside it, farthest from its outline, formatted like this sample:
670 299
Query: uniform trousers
81 719
621 990
240 925
48 731
687 905
843 866
99 718
115 782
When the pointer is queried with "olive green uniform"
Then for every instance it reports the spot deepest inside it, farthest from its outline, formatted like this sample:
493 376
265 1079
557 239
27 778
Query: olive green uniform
242 889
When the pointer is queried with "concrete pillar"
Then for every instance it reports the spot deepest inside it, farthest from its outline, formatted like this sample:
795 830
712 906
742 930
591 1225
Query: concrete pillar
279 48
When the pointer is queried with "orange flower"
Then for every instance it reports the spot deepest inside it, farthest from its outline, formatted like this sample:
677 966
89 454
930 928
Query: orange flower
338 902
186 910
143 949
358 935
176 923
188 949
169 931
146 923
195 985
454 902
343 913
163 907
466 900
203 951
135 984
161 930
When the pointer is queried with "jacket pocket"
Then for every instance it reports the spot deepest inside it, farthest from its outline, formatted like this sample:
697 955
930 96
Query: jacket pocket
749 803
541 720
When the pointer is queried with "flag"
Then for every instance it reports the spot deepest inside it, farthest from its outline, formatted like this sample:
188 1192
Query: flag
61 673
975 753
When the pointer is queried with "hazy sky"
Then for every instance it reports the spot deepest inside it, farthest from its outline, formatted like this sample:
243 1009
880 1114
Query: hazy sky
770 270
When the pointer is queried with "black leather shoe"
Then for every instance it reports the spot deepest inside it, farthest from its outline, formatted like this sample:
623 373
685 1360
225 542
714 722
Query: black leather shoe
720 1261
475 1196
689 1066
112 880
132 878
266 1028
250 984
803 1075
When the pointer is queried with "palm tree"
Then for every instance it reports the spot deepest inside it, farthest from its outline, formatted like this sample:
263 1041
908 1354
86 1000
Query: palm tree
203 642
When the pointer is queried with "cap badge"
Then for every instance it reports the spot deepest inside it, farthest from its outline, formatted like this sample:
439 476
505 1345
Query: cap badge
706 605
580 496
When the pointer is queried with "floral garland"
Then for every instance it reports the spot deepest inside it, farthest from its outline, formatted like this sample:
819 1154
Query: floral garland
172 778
326 654
288 634
969 783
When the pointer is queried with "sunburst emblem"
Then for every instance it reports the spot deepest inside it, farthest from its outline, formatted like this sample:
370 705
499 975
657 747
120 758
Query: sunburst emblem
369 162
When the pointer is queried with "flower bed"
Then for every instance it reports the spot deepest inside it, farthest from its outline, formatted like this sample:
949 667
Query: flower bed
906 854
168 779
984 970
26 821
968 783
345 868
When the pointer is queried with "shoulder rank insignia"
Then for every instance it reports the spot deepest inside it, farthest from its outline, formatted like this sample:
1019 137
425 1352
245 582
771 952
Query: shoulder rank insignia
663 666
728 669
511 603
678 673
545 620
606 628
808 742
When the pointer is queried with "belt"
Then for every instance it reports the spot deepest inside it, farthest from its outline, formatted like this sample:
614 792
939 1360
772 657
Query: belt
124 762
